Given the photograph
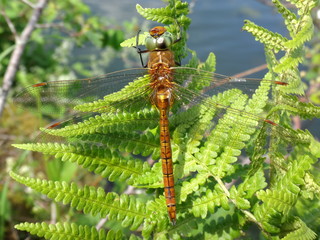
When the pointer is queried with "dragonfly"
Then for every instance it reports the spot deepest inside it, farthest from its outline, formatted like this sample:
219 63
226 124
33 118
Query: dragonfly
161 85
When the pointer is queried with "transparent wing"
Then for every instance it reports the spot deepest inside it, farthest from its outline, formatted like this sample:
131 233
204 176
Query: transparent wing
69 93
108 93
247 97
214 83
230 101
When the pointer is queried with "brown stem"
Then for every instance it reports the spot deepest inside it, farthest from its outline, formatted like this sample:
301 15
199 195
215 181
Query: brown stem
18 51
250 71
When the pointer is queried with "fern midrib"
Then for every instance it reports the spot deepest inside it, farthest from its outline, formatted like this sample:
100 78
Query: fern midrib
137 140
88 127
91 200
275 200
117 166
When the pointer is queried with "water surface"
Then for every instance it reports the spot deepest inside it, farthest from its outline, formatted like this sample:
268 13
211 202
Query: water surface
216 27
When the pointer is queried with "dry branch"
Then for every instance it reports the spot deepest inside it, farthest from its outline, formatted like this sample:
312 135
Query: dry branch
20 45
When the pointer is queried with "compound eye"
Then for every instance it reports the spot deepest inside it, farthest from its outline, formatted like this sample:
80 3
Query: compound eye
151 43
162 42
165 41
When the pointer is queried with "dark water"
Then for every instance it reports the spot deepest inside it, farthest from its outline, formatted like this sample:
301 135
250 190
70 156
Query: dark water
216 27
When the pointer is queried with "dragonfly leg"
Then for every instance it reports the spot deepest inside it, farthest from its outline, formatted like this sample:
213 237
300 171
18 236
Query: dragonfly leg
139 51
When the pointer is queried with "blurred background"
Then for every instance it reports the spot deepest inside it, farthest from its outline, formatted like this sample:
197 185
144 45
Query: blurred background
77 39
216 27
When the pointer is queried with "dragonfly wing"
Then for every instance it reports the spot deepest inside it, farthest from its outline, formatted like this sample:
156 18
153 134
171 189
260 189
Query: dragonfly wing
241 101
214 83
111 114
231 115
86 118
51 97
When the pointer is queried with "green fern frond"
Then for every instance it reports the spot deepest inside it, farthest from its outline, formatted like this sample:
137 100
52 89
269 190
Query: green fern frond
108 123
193 185
233 138
258 152
315 148
166 15
209 65
293 105
251 185
295 174
157 217
68 231
156 210
209 201
279 201
138 144
145 145
289 61
183 121
304 6
100 160
275 204
150 179
223 227
311 187
258 100
270 39
132 42
290 19
309 211
189 224
292 77
271 60
124 208
238 198
297 229
139 87
304 34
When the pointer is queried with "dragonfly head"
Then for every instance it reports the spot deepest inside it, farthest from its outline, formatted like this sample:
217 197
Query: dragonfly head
159 39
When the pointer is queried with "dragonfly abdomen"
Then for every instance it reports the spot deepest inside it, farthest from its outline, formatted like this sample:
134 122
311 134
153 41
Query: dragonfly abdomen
162 99
167 166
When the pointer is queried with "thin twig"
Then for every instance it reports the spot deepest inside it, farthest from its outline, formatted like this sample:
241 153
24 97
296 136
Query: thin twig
30 4
50 25
101 223
251 71
10 25
53 212
17 53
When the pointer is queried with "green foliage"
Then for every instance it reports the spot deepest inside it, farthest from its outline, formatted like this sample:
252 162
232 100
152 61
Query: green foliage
68 231
312 63
4 209
217 197
124 208
101 160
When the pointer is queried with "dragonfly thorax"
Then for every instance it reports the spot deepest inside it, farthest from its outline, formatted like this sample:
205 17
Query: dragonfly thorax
162 85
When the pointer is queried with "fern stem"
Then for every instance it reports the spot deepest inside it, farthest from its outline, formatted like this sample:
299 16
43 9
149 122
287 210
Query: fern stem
249 215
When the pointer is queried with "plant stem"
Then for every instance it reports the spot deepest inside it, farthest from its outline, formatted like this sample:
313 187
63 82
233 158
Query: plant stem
20 45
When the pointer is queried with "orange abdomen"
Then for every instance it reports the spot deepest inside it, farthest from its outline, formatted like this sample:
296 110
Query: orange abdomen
167 166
